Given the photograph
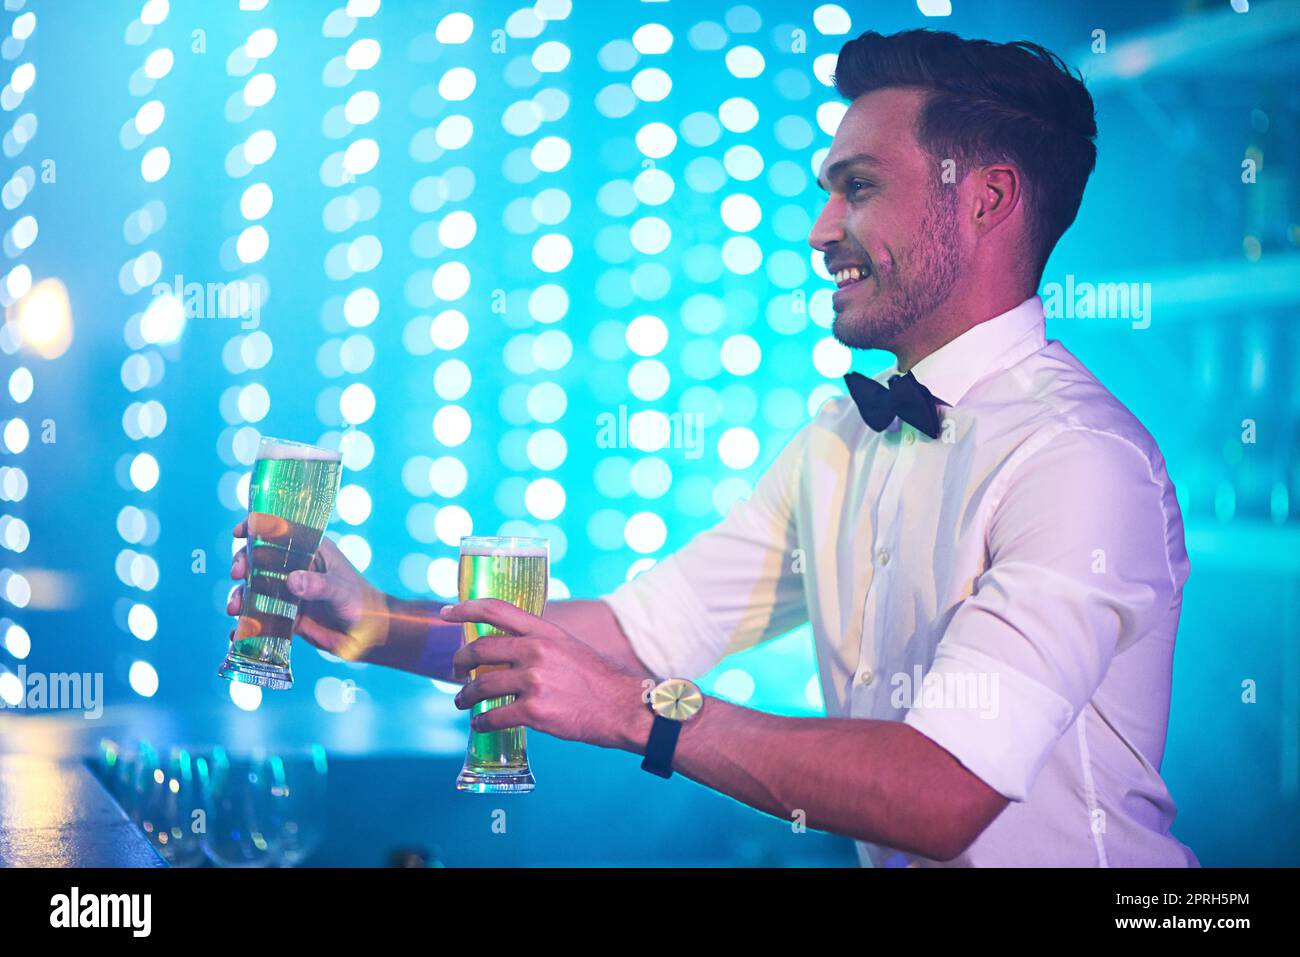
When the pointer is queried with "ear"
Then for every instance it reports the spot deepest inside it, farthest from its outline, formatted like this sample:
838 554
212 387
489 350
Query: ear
998 193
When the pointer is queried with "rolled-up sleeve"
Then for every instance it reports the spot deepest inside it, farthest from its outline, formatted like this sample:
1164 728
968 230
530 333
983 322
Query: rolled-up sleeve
729 588
1079 569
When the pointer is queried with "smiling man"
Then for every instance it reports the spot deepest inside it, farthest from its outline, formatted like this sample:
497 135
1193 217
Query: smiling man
984 540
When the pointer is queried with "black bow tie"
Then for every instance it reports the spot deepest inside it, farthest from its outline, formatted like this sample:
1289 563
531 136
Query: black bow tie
904 397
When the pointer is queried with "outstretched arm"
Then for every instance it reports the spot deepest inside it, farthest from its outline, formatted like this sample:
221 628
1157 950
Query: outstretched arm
877 781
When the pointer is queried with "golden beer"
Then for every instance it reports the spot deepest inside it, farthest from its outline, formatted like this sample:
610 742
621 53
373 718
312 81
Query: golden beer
513 570
290 499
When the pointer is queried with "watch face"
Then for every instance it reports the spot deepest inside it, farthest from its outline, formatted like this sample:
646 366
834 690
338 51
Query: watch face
676 699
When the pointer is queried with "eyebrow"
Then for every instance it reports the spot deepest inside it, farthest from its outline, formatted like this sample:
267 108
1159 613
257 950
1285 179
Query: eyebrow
865 159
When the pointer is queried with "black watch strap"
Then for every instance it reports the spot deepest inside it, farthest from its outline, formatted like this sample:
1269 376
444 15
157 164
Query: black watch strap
659 749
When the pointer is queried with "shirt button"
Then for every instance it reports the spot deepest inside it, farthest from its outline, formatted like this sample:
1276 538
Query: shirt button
882 557
866 677
909 438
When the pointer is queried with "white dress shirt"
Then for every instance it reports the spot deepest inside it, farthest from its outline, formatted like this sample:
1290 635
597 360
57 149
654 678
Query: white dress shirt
1010 589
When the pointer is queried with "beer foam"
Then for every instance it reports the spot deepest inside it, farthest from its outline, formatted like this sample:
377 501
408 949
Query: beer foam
526 551
289 450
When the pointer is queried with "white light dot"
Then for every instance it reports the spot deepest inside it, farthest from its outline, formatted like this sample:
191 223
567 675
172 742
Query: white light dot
451 380
454 28
12 691
552 252
738 114
451 281
256 201
812 693
744 62
155 164
245 697
448 476
16 435
142 621
547 449
253 402
353 504
457 229
363 54
829 116
259 89
735 684
451 425
741 355
357 403
741 213
17 641
652 85
832 20
154 12
647 335
451 524
738 448
361 107
831 357
551 153
645 532
252 244
163 320
144 679
259 147
544 498
24 24
742 255
454 132
656 140
442 576
261 43
824 68
361 156
649 430
650 235
361 307
551 57
449 329
457 83
144 472
149 117
21 384
157 65
652 38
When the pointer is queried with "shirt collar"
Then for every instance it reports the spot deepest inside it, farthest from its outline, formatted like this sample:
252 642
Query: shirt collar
980 351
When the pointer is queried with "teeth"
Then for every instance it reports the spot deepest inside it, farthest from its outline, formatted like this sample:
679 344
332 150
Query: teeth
851 274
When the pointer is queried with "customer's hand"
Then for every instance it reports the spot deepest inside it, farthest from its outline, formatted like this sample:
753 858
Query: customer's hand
339 611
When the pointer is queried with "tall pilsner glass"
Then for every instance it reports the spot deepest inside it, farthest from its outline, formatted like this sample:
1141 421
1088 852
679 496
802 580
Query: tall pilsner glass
290 500
514 570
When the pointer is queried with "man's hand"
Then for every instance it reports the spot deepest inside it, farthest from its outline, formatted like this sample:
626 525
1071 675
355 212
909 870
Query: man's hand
562 686
340 611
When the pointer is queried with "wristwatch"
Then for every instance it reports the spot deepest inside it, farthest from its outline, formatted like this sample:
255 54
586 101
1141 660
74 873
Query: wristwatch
673 701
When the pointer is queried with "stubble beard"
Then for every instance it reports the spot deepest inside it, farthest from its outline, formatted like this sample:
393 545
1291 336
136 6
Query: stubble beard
916 287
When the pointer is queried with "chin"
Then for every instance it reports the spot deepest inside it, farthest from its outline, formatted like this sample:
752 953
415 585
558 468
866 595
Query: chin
856 330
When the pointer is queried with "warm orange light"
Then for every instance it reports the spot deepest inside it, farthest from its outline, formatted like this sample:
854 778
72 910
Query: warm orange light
45 318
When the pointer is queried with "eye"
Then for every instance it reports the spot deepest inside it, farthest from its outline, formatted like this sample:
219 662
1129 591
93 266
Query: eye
856 187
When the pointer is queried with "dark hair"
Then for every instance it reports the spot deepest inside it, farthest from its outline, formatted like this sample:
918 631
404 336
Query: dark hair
990 102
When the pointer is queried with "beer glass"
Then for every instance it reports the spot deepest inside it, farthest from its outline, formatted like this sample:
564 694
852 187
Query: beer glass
290 499
514 570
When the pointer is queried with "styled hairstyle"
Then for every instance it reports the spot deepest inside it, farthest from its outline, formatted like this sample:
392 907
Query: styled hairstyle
990 102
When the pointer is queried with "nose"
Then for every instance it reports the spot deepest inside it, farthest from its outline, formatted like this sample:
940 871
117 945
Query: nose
829 226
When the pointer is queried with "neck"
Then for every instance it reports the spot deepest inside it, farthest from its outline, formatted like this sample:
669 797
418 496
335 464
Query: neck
956 315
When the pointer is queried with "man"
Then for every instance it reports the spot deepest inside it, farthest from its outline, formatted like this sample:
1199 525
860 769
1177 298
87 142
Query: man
984 514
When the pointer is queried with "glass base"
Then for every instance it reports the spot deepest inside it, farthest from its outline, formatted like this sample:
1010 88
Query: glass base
495 782
256 673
